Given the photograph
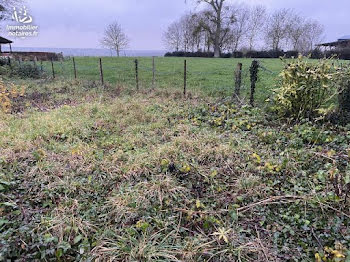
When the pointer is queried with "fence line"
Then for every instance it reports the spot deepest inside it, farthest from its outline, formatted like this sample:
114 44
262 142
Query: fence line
216 78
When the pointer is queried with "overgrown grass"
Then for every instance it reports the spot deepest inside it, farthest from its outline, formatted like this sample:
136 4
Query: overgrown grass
88 172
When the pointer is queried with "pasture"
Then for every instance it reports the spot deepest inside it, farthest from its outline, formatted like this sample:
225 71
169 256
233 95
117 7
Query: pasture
213 77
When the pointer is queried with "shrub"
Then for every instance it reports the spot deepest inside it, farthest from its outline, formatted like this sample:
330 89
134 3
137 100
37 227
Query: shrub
8 92
3 62
203 54
344 92
237 54
251 54
316 54
5 70
226 55
26 71
265 54
305 89
341 54
291 54
189 54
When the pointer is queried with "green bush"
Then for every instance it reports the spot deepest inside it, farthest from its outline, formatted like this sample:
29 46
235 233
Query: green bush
26 71
344 92
306 88
3 62
5 70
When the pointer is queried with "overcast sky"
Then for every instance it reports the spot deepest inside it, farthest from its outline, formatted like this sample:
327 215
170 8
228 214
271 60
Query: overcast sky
80 23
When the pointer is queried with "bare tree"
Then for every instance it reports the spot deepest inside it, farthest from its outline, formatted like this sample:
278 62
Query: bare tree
6 8
197 34
257 21
296 32
314 33
277 28
237 24
218 17
240 26
184 34
173 36
115 38
189 29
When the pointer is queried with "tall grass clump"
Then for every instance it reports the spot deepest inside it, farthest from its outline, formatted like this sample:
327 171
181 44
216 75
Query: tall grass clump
306 88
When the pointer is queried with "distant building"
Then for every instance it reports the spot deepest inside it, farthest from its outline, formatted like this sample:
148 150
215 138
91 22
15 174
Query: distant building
4 41
341 43
32 56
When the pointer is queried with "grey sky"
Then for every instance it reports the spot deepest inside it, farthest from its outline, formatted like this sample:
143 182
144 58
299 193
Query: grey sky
80 23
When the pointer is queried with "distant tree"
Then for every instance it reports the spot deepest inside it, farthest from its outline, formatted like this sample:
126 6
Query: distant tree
6 8
314 34
173 36
198 35
205 27
239 28
189 29
296 32
217 16
303 34
115 38
183 34
277 28
257 21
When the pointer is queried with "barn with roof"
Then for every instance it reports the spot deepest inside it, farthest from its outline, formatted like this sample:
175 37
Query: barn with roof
342 43
20 55
4 41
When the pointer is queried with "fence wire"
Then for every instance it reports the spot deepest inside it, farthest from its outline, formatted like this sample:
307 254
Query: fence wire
208 76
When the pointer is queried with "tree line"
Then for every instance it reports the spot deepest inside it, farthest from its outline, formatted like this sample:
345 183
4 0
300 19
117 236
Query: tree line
222 27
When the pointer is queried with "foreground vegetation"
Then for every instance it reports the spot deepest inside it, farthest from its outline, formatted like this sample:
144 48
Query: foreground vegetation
92 173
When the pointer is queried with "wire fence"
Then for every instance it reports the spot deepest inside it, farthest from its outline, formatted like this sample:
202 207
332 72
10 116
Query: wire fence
214 77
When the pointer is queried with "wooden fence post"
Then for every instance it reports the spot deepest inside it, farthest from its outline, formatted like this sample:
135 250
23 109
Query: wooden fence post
9 61
75 69
101 72
238 79
53 69
254 69
137 73
185 76
34 61
153 73
41 66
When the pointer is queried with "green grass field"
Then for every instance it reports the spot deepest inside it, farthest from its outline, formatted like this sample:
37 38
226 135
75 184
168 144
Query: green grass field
107 173
214 77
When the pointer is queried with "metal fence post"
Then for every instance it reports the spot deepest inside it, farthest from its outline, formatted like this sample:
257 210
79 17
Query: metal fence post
101 72
53 69
153 73
137 73
75 69
185 76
